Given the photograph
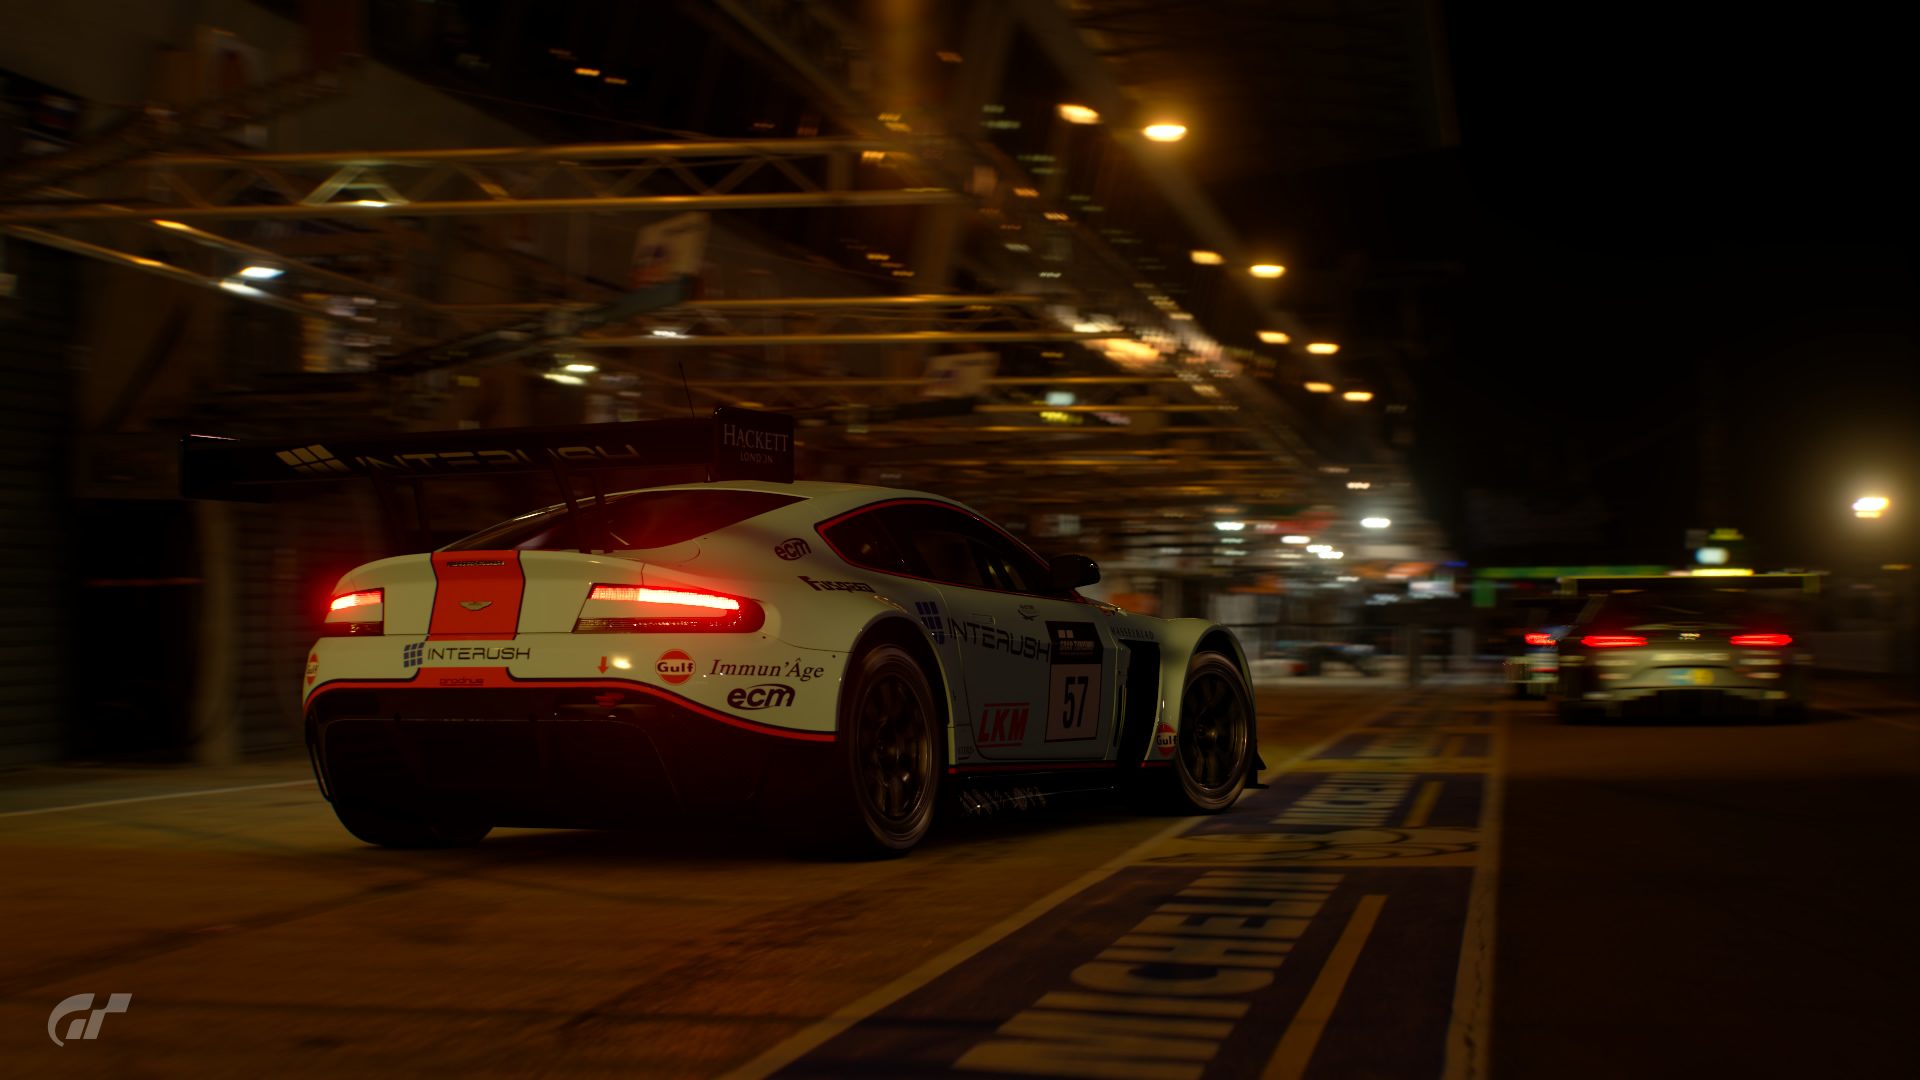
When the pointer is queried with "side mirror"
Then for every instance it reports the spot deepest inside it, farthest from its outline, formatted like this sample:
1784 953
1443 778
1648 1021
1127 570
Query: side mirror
1073 571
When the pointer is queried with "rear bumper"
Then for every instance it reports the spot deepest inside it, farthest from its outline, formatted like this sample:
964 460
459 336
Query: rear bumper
1739 700
582 755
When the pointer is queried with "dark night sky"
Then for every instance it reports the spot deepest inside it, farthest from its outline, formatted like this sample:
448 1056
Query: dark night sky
1671 222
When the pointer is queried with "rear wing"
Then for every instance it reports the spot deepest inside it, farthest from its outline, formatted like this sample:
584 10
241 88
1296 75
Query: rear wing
1777 584
734 444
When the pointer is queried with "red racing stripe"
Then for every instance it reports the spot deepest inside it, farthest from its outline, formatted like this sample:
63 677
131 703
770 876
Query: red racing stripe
476 595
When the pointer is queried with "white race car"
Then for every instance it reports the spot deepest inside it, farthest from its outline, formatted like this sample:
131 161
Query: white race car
846 658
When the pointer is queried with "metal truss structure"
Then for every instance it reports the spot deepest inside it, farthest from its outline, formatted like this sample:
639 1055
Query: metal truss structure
753 174
869 408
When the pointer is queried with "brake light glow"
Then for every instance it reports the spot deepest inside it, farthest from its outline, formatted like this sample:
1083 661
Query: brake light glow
638 609
1761 641
1612 641
353 613
356 599
678 597
1539 639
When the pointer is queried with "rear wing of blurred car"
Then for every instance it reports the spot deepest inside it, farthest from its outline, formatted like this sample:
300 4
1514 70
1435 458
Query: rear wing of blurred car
1774 583
734 444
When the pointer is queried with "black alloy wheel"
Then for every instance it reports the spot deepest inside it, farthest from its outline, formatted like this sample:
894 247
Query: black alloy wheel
893 752
1215 743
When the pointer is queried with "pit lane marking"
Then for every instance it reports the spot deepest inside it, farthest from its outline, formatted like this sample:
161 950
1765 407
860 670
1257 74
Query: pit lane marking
1422 807
1470 1022
154 798
817 1034
1290 1058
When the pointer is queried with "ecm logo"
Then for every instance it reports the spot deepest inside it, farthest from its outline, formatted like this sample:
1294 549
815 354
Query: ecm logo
765 696
87 1027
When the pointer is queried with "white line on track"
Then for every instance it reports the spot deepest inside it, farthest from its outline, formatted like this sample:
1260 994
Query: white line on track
153 798
818 1033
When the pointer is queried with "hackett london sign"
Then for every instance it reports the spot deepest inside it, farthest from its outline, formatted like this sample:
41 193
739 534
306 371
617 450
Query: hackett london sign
749 445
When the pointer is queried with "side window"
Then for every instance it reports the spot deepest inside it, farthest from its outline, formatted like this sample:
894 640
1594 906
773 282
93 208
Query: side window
864 541
952 547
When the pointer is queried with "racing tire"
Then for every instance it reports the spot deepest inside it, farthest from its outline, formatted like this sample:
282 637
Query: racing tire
1213 749
892 752
384 828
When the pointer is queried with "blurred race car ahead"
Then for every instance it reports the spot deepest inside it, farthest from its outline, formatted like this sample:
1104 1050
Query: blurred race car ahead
845 658
1686 646
1534 666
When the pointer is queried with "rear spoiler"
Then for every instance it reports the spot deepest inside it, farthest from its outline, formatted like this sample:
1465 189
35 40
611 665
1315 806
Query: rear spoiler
1776 583
734 444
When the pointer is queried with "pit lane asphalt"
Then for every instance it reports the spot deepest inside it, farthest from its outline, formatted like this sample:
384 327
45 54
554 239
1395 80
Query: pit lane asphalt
1685 901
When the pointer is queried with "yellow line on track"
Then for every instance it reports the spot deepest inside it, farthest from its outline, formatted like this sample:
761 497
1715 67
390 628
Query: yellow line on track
1469 1027
1422 808
1290 1058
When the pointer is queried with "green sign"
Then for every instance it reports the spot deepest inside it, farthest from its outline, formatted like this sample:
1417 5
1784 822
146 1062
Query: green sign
1542 573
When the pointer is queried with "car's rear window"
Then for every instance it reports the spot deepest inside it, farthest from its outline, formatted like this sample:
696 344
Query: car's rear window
642 519
1739 608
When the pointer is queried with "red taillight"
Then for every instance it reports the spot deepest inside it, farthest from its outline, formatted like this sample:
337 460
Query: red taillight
1612 641
1761 641
677 597
1539 639
637 609
357 599
362 612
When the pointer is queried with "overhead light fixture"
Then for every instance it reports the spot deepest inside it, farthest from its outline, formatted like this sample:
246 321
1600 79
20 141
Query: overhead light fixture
1079 114
591 73
1266 270
580 367
1274 337
1060 397
1318 387
563 378
1333 554
1027 192
1165 132
175 225
260 273
376 204
1358 485
1319 548
1207 258
1295 538
1870 506
1357 395
233 285
1230 526
1375 522
1323 348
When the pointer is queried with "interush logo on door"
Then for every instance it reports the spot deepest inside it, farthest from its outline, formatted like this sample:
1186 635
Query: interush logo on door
674 666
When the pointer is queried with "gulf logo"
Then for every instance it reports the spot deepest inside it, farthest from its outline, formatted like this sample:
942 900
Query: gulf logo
674 666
